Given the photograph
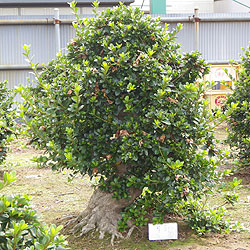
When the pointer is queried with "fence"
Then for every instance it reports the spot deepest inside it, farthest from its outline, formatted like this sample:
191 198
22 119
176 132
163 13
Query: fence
219 37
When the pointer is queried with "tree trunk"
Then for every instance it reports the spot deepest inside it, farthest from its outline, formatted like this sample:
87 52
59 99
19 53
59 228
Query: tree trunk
103 213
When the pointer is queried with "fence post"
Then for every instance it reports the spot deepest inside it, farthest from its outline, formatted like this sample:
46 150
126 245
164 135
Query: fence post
196 29
57 30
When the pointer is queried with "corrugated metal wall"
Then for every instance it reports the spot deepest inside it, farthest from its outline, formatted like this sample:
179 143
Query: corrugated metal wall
223 41
221 37
185 37
219 42
43 47
13 37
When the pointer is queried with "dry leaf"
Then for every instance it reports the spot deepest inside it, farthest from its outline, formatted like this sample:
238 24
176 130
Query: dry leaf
162 138
96 89
118 62
186 189
105 95
190 141
177 177
42 128
70 92
114 69
137 60
102 53
172 100
115 136
109 101
140 142
117 133
95 171
124 133
108 157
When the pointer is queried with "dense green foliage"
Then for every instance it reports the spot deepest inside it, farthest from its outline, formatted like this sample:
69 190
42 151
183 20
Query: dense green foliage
7 115
20 228
203 219
239 120
124 104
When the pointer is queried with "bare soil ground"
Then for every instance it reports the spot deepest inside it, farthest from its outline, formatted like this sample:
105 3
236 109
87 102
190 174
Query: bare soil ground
55 198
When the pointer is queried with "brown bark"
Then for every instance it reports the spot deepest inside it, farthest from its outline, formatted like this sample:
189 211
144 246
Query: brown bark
103 213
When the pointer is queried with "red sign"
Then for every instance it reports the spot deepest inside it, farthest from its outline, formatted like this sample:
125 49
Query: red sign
220 100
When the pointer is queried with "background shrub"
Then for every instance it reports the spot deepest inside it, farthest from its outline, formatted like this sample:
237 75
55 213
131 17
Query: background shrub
7 116
239 133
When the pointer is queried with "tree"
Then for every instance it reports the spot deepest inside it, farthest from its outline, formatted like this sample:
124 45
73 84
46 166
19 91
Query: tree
123 105
239 104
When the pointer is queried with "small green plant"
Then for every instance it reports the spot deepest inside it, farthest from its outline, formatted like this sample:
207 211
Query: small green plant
230 197
20 227
204 219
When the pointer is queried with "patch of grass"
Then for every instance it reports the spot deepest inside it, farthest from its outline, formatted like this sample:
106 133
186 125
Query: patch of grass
137 241
55 198
52 195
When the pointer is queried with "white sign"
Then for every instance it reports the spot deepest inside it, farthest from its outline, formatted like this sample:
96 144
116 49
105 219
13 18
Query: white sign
166 231
219 74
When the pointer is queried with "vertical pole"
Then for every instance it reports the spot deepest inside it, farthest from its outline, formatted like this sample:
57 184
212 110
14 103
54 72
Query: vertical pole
142 4
196 27
57 30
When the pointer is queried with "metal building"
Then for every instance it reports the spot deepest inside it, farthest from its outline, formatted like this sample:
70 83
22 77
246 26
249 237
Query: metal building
219 37
187 6
46 7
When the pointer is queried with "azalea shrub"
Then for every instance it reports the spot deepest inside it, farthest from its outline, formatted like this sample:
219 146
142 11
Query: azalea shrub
124 105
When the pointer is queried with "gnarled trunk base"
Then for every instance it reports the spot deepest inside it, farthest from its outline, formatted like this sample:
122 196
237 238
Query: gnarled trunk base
103 213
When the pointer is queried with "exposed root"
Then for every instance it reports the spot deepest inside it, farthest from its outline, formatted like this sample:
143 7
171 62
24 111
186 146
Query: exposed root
103 213
131 230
